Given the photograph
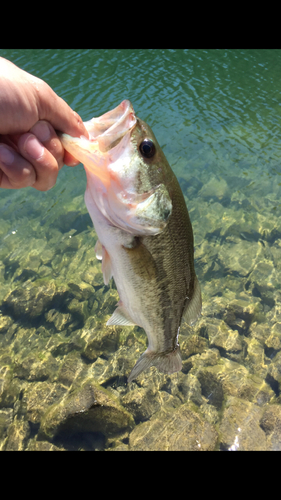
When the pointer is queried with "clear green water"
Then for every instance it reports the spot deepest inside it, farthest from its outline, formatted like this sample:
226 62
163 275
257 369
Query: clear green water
216 114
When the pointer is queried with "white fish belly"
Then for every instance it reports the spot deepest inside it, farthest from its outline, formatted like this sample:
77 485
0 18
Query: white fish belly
137 297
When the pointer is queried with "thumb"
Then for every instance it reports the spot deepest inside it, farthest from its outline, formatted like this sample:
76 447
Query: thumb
55 110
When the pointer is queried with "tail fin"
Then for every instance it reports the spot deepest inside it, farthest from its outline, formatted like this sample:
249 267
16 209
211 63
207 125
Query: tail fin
168 362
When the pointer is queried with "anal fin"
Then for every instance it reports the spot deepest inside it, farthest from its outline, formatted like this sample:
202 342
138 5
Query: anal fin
120 317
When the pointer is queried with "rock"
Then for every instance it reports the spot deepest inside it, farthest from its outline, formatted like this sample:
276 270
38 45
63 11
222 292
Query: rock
271 425
174 430
274 373
239 428
237 381
9 387
38 397
273 341
100 339
190 389
255 357
5 322
214 188
34 445
79 310
211 386
89 408
17 436
71 366
81 290
39 366
141 403
240 257
6 417
33 299
192 345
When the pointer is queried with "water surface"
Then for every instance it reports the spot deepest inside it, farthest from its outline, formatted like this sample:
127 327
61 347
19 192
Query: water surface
216 114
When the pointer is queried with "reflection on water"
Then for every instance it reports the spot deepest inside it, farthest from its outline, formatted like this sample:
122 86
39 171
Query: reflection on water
63 373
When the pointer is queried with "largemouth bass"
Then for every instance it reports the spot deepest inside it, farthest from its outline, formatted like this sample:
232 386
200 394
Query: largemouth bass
145 237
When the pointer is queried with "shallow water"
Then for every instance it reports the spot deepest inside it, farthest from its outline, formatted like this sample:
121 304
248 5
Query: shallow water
216 115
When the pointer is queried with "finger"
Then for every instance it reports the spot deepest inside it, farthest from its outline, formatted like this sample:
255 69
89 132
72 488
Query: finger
48 137
69 160
45 165
55 110
15 171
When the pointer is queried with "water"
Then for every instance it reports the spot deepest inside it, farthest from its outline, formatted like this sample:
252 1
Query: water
216 115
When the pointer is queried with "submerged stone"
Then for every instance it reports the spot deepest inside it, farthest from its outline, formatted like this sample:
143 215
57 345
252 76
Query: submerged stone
271 425
17 436
180 429
89 408
239 428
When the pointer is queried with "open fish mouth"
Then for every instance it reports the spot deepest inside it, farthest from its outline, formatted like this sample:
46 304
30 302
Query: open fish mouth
108 129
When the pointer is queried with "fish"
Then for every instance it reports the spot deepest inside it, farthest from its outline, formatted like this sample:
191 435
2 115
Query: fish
145 238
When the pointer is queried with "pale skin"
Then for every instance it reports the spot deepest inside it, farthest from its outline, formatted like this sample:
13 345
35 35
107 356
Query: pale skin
31 153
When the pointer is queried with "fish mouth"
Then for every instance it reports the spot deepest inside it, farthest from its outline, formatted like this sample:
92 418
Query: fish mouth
109 128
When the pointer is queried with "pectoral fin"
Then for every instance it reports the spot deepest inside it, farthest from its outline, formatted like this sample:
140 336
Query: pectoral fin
98 250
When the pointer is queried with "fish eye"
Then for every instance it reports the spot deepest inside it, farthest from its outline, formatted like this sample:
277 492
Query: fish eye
147 148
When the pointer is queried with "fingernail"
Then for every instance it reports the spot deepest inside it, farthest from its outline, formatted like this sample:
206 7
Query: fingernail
42 131
6 155
33 147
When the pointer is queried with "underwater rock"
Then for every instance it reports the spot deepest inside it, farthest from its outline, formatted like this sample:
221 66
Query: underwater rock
274 373
6 418
100 339
38 397
240 257
211 386
60 320
227 341
256 358
5 322
89 408
192 345
271 425
35 367
33 299
190 389
273 341
34 445
9 387
178 429
81 290
79 310
17 436
214 188
117 368
238 382
239 428
141 403
70 368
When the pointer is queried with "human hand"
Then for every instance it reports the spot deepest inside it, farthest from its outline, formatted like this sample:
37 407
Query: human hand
31 153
